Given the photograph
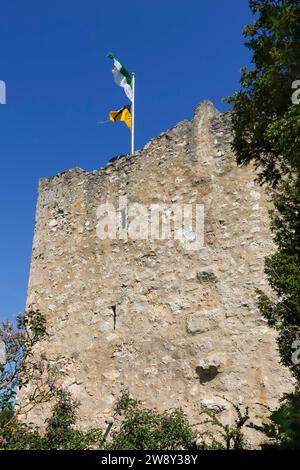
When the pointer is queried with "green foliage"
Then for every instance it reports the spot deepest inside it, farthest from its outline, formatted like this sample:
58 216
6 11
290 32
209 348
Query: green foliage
140 428
15 435
136 428
22 366
266 125
266 128
283 428
265 122
232 436
145 429
283 273
60 431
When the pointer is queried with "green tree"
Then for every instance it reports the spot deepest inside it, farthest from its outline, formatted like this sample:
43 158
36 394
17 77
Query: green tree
283 428
22 367
61 432
266 125
283 273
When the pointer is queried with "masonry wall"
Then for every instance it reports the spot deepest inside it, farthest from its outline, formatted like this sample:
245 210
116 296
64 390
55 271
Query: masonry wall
174 326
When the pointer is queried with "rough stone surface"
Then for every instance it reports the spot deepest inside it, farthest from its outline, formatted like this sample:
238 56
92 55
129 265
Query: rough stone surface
178 328
215 404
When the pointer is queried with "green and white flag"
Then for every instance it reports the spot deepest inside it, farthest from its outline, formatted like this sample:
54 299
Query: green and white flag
122 77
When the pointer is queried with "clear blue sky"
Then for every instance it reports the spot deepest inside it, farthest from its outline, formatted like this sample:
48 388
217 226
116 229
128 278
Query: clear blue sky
59 83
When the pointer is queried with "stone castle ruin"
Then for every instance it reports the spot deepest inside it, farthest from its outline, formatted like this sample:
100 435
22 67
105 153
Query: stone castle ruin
177 327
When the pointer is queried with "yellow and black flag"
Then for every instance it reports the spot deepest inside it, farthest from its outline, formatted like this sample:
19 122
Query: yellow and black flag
123 114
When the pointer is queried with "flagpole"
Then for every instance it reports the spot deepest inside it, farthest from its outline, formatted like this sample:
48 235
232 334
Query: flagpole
132 113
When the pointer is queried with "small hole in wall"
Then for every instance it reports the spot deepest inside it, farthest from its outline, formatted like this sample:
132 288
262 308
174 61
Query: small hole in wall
114 310
206 375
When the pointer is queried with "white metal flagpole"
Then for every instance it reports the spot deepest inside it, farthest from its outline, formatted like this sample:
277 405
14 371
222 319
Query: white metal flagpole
132 113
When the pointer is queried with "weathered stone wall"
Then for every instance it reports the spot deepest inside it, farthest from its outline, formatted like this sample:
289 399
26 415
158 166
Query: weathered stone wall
176 327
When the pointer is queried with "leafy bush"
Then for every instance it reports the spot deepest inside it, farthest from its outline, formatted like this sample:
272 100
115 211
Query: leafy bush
283 426
145 429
